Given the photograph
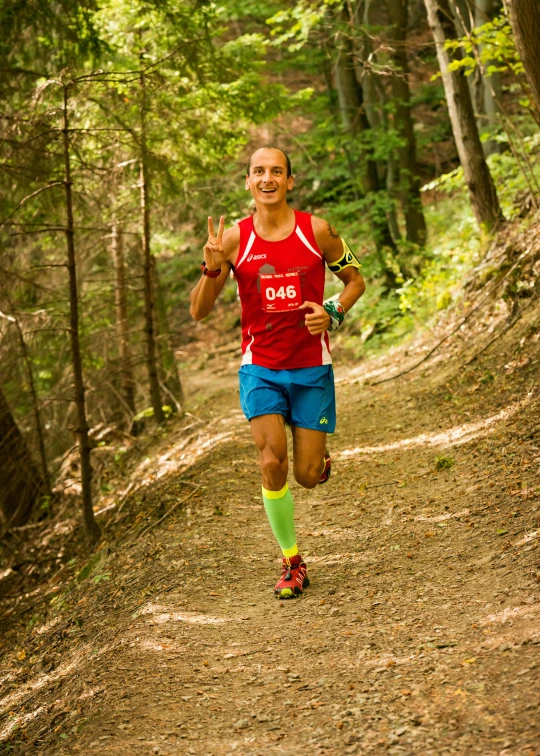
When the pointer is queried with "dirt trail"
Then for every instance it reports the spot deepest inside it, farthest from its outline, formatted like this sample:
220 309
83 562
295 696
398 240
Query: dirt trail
420 633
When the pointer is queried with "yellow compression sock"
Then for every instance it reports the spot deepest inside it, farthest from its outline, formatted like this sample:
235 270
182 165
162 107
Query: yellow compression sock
279 507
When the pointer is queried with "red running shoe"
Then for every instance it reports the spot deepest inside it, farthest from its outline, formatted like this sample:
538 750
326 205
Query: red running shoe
327 469
293 578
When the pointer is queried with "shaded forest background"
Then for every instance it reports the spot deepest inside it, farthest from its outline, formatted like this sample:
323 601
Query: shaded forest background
412 127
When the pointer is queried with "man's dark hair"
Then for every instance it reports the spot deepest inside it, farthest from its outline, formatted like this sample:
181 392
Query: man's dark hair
271 147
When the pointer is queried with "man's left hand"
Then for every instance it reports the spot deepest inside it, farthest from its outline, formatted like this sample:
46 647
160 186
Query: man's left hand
317 321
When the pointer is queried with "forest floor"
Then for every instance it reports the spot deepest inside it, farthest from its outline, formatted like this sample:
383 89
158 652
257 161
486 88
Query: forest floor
419 634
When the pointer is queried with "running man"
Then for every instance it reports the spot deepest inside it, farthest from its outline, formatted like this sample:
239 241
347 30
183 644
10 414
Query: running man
278 258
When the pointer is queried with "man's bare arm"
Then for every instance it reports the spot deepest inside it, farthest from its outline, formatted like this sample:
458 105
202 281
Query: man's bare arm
219 251
331 245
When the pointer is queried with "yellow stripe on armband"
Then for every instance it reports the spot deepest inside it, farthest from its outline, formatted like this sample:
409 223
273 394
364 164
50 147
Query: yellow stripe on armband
347 260
275 494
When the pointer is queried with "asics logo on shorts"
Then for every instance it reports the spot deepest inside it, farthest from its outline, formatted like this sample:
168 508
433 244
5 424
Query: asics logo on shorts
323 421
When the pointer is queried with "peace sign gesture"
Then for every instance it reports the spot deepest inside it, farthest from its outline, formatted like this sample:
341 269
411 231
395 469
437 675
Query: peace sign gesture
214 254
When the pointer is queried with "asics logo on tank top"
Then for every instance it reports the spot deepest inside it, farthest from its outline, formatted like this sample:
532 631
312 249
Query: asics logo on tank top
274 334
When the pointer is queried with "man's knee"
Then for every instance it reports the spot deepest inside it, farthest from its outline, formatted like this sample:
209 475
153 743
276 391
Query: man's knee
307 477
274 466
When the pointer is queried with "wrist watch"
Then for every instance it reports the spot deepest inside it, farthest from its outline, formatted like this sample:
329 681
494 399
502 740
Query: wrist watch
209 273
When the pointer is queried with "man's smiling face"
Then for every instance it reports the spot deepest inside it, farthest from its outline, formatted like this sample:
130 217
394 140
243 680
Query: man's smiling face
267 179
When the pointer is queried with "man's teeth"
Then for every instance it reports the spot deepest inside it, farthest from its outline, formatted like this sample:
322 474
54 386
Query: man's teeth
268 191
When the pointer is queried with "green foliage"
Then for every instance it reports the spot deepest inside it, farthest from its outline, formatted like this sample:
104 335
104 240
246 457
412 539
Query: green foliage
383 318
514 173
491 46
149 412
444 463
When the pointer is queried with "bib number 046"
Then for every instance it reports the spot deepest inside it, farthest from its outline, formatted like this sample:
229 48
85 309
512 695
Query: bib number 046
280 292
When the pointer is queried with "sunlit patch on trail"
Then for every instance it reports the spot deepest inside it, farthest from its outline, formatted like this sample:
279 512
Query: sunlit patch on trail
160 615
187 450
42 681
360 373
388 661
442 518
179 456
456 436
510 612
334 558
331 533
19 720
159 647
527 538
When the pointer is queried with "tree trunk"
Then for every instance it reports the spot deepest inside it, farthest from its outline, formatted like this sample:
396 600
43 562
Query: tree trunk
375 100
354 119
21 485
475 169
171 377
485 90
124 351
155 394
525 22
409 180
462 14
92 529
35 407
371 93
491 91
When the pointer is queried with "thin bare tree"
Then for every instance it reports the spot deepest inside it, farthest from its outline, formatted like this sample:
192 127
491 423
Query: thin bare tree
409 180
478 178
148 277
122 331
92 529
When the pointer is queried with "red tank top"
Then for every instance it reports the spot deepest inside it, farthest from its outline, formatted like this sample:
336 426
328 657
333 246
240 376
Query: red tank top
270 337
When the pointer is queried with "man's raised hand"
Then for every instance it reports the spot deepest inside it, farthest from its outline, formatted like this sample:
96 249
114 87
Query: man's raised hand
214 254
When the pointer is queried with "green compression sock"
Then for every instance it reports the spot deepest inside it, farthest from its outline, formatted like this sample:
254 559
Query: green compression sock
279 506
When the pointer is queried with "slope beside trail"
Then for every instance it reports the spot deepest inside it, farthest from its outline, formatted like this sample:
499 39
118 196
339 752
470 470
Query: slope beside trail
420 633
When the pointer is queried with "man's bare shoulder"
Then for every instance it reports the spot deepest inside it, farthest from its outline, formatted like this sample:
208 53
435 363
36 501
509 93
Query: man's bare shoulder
231 243
326 235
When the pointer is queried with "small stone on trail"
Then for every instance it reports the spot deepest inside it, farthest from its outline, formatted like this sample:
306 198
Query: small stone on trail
241 724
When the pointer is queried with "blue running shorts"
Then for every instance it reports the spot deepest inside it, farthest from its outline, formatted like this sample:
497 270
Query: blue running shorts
304 396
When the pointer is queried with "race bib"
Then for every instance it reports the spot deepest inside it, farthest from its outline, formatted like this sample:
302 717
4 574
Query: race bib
280 292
